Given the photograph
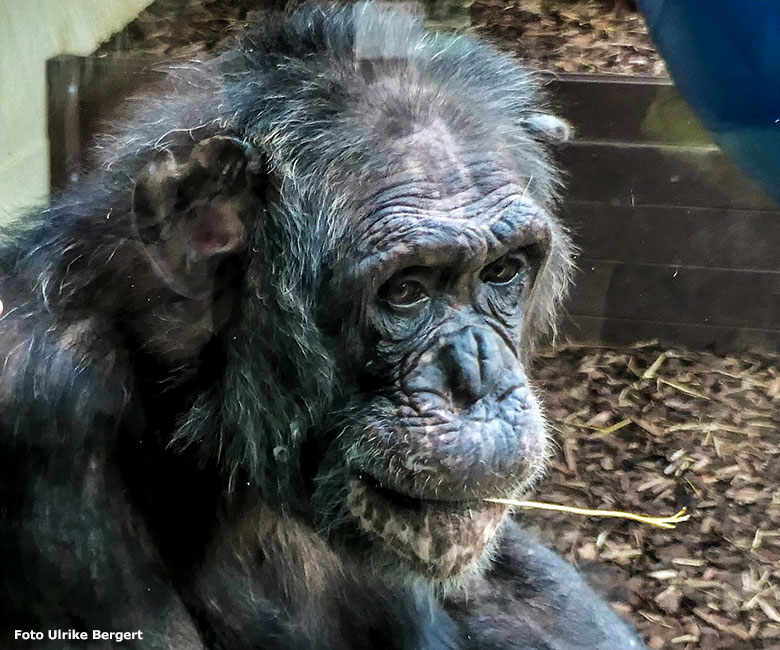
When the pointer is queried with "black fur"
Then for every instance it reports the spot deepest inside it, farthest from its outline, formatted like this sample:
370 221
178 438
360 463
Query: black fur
184 351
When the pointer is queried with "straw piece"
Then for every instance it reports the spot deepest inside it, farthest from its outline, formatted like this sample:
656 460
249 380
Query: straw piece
668 522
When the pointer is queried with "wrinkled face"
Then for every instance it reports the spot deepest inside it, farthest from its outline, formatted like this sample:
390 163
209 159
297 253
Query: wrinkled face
442 416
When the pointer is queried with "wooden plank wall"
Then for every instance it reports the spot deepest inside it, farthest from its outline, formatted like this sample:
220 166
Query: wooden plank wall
676 244
84 95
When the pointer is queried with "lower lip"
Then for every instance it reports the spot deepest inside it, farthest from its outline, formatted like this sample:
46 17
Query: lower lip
418 504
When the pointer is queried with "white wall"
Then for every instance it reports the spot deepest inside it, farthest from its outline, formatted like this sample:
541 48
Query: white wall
32 31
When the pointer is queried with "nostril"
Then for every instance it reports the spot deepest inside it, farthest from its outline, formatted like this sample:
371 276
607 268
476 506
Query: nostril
461 372
491 359
469 361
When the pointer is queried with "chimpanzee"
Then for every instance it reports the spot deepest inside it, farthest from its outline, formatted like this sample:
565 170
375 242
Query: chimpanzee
262 367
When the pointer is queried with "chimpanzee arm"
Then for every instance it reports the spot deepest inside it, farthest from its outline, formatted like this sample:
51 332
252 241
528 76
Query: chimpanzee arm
86 311
73 551
270 581
530 599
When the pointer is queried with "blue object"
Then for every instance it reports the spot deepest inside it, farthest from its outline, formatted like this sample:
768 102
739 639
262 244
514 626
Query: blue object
724 56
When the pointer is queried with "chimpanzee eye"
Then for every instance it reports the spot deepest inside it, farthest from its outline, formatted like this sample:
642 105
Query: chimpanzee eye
402 292
504 269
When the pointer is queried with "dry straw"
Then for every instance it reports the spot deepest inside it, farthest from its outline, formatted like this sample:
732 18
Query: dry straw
669 522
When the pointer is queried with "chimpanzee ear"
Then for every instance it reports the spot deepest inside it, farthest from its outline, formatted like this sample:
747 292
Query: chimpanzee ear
192 198
189 212
549 128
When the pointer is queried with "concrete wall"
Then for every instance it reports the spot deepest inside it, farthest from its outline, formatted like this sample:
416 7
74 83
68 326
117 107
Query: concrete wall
32 31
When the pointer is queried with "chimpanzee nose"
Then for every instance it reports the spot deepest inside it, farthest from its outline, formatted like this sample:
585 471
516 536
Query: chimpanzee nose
472 363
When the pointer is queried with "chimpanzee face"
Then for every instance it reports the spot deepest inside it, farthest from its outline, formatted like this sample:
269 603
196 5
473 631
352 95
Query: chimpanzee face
444 262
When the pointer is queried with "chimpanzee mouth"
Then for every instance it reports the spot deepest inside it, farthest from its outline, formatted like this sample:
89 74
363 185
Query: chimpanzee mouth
416 504
440 539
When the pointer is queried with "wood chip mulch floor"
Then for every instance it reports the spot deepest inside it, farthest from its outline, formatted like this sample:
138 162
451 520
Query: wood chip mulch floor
650 430
560 35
